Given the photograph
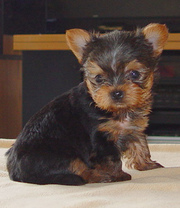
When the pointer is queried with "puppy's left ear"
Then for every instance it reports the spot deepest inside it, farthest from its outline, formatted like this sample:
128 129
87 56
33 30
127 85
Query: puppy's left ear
77 40
157 34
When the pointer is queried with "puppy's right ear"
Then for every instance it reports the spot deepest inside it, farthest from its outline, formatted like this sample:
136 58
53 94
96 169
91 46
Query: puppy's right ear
77 40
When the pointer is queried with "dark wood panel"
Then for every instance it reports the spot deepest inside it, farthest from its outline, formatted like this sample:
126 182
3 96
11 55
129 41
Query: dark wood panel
10 98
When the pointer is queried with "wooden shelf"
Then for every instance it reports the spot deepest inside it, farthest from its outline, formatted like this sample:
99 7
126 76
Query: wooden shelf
58 42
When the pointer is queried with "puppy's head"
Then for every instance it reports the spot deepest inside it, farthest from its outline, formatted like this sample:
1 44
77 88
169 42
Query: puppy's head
119 66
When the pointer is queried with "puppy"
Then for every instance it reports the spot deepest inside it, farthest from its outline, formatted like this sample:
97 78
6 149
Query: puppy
81 136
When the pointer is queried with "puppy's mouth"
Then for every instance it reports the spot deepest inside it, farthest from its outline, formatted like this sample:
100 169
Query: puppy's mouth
118 104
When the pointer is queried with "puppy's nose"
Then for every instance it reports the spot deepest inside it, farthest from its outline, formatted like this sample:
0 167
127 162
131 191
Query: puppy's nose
117 95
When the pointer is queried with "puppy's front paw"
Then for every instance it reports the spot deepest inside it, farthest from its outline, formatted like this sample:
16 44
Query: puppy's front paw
154 165
149 166
122 176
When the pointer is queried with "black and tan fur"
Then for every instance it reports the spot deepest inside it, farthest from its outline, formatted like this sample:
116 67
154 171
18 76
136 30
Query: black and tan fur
81 136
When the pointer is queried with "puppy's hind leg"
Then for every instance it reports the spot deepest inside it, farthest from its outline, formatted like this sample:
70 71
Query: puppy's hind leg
24 170
52 177
62 179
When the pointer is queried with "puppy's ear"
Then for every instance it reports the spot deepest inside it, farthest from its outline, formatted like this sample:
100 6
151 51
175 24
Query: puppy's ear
157 34
77 40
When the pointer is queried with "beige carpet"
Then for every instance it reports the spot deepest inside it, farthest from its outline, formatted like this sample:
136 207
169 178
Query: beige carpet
150 189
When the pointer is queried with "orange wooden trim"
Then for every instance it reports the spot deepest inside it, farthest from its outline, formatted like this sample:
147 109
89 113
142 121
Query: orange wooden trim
172 46
174 37
40 46
58 42
40 38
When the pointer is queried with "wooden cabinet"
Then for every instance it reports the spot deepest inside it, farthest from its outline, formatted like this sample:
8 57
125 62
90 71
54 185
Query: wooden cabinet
10 90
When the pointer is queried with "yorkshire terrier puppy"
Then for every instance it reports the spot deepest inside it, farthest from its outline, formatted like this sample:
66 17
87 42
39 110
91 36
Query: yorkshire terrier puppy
81 136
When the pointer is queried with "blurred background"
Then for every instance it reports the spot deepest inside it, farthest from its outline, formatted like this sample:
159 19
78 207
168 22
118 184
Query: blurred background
29 79
55 16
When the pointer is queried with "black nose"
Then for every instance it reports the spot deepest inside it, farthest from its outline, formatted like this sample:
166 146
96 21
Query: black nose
117 95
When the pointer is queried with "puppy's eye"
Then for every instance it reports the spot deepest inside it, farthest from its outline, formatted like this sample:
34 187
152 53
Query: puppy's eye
99 78
134 75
